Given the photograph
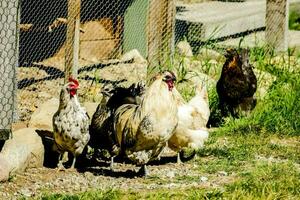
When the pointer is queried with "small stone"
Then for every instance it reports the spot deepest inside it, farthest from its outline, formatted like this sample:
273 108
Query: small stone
4 170
184 49
209 54
170 174
135 55
223 173
203 179
26 192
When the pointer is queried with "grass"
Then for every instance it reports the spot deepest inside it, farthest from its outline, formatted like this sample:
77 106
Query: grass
258 155
294 20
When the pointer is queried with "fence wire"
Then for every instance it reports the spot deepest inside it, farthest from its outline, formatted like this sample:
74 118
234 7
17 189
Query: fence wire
108 30
8 63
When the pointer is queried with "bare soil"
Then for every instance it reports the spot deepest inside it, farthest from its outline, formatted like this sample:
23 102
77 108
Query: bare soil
164 174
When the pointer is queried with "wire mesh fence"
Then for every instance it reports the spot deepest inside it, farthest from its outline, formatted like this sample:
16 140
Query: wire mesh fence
8 62
109 29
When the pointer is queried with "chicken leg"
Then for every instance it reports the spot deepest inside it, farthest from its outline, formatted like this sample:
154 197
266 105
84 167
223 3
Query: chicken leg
112 163
73 163
143 171
178 159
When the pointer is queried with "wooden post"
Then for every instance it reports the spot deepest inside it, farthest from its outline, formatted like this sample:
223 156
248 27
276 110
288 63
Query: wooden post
277 14
72 41
160 30
8 64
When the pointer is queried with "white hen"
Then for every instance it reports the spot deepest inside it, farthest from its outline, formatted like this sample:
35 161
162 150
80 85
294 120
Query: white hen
192 116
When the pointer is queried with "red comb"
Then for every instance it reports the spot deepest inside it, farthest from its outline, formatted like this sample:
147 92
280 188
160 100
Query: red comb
74 81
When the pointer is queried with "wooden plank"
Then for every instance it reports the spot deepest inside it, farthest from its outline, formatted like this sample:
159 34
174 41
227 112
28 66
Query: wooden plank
72 40
277 13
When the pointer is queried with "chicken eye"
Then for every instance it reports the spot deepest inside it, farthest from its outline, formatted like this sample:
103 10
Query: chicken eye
168 77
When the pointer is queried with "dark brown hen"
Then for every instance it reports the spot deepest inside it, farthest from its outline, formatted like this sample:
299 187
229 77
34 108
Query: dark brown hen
237 84
101 129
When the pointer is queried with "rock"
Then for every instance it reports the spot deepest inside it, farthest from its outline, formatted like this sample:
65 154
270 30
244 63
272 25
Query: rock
135 55
121 71
222 173
183 48
170 174
203 179
26 192
4 171
209 54
24 150
202 79
42 117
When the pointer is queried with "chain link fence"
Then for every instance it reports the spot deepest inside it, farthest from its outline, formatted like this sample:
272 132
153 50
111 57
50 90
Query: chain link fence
108 30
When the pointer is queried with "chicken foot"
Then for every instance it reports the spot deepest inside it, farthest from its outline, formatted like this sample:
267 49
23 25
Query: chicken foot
63 157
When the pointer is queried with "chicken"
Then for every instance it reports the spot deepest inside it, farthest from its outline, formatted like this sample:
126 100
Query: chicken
142 130
70 124
237 84
193 117
101 129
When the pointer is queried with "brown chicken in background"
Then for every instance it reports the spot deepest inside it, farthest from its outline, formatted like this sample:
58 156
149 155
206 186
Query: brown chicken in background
193 117
237 84
101 129
70 124
142 130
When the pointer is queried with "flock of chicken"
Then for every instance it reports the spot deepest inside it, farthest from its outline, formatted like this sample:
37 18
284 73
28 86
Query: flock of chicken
138 122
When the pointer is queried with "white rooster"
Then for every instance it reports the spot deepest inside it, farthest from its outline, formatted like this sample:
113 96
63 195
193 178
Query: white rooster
70 124
192 116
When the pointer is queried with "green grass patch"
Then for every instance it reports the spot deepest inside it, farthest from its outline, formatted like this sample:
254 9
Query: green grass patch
268 181
90 195
294 20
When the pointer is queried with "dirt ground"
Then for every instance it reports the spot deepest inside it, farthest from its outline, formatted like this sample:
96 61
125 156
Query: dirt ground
164 174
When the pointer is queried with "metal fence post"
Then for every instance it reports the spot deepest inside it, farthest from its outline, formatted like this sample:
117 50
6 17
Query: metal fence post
72 41
8 64
277 14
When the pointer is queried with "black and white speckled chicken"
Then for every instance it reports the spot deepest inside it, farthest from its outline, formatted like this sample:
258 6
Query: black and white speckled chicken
70 123
142 130
237 84
101 129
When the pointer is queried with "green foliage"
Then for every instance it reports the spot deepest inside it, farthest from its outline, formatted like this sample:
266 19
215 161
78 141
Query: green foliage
276 181
294 20
103 195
